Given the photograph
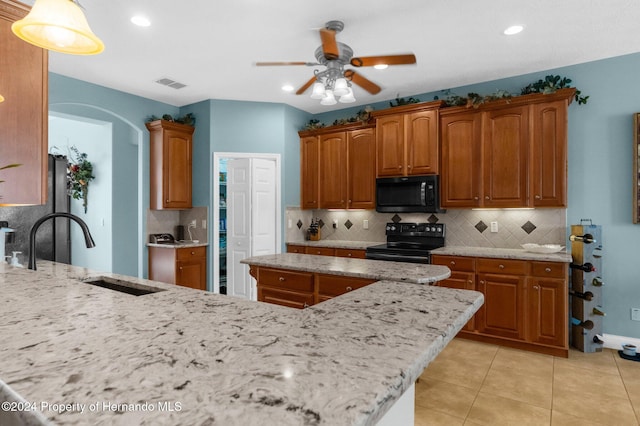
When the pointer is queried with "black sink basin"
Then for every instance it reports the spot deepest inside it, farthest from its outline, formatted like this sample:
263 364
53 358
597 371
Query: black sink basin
122 286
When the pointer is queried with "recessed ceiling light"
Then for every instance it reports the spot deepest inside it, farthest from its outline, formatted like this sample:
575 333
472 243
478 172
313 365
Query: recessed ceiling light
514 29
287 88
381 66
141 21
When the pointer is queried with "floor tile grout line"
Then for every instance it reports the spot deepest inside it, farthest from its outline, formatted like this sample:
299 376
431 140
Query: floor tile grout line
481 383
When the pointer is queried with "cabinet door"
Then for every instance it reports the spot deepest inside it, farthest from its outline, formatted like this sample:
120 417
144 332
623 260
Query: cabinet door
547 316
352 253
503 312
421 133
320 251
505 144
362 170
390 145
333 171
309 156
333 285
285 298
23 114
548 175
292 248
192 273
462 281
177 170
461 161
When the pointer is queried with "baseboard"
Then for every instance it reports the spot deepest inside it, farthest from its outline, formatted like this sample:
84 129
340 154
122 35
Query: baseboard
612 341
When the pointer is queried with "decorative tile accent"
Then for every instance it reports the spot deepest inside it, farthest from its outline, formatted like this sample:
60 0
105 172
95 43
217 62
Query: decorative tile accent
528 227
299 224
396 218
433 219
321 223
481 226
348 224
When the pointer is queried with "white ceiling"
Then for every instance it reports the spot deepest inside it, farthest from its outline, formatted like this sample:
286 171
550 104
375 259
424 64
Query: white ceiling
212 46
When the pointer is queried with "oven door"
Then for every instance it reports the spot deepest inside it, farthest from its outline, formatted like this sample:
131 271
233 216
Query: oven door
396 256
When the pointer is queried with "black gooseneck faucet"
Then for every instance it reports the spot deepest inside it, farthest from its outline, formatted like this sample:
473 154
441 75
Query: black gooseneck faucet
32 235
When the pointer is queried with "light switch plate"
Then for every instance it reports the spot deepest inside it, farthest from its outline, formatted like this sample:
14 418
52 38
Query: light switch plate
635 314
365 224
494 226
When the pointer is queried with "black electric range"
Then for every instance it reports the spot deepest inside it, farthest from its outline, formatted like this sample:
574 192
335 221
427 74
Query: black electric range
409 242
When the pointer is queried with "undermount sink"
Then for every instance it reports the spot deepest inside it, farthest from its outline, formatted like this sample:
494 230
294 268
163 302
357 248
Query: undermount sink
134 289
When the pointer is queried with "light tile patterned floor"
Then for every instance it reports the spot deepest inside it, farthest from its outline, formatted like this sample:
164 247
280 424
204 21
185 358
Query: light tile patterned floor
473 383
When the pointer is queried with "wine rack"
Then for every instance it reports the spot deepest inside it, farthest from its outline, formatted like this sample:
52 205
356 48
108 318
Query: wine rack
585 293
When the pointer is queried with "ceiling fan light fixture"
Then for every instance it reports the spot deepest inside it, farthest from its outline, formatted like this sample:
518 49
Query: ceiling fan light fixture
318 91
340 87
58 25
329 99
348 98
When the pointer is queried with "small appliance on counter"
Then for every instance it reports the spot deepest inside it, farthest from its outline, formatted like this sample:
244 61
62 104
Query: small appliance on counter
586 287
409 242
161 239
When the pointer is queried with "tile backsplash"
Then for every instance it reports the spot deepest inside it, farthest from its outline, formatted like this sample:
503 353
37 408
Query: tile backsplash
166 221
464 227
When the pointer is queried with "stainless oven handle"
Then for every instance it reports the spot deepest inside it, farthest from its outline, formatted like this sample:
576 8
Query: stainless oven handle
397 257
423 193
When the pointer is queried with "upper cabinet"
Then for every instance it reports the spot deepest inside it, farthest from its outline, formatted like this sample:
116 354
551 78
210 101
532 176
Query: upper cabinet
171 165
338 168
506 153
407 140
23 114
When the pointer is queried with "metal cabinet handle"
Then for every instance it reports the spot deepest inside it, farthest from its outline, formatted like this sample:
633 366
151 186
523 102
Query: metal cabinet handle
475 198
349 288
349 201
193 252
537 197
281 278
181 268
167 201
453 262
409 166
501 266
399 167
481 282
349 254
536 287
486 197
470 281
547 269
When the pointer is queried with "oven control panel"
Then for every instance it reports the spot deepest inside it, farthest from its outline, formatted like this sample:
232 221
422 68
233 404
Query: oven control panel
416 229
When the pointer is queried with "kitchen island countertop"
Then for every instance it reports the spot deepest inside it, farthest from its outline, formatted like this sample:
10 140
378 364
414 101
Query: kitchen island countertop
503 253
184 356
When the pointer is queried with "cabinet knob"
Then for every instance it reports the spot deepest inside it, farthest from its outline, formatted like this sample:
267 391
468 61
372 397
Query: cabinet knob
318 252
409 166
342 201
399 167
501 266
481 282
535 287
349 289
349 201
486 197
181 268
476 198
470 282
192 253
453 262
167 201
537 197
349 254
305 305
547 269
281 278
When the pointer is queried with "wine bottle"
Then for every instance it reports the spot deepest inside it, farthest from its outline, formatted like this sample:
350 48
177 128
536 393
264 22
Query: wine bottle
586 238
597 282
587 267
597 311
587 325
587 295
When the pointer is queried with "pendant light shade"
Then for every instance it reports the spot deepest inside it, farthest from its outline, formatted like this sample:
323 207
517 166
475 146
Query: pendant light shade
58 25
318 91
329 99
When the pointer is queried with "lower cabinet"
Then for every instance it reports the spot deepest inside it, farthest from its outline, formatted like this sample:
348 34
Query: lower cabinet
301 289
184 266
326 251
525 301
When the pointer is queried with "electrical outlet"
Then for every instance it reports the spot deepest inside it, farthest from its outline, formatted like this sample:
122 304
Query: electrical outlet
635 314
365 224
494 226
290 224
204 223
192 224
335 223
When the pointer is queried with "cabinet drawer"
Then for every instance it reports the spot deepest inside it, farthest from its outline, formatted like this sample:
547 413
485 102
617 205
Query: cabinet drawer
285 298
322 251
354 254
292 248
549 269
290 280
502 266
187 253
455 263
333 285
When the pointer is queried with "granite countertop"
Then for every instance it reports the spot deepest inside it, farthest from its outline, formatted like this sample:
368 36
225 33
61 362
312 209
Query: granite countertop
353 245
502 253
195 357
179 244
361 268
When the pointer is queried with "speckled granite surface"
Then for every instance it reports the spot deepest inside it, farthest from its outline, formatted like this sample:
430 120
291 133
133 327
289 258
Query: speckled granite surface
214 359
361 268
178 245
353 245
502 253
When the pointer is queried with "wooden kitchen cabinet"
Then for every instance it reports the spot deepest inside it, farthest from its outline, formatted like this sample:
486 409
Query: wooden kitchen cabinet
320 251
326 251
23 114
407 140
548 304
184 266
352 253
333 170
283 287
293 248
309 173
463 276
330 286
171 165
361 173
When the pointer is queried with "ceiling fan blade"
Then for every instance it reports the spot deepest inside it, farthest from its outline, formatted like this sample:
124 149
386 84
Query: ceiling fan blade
270 64
329 44
363 82
306 86
369 61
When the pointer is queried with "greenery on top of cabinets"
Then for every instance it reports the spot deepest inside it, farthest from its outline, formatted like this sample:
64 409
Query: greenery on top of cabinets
550 84
362 115
188 119
403 101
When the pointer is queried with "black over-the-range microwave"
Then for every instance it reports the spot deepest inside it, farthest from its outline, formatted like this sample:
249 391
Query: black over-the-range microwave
408 194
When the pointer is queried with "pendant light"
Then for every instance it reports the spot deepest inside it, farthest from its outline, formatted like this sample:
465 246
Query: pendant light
58 25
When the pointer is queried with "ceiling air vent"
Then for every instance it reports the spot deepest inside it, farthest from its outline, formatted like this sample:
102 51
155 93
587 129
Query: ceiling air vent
171 83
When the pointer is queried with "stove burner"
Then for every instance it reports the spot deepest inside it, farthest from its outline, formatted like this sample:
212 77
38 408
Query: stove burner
409 242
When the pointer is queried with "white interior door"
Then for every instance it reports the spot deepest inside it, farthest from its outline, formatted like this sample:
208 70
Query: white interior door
238 227
263 207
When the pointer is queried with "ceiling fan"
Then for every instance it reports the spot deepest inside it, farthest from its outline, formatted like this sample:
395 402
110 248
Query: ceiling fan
335 80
